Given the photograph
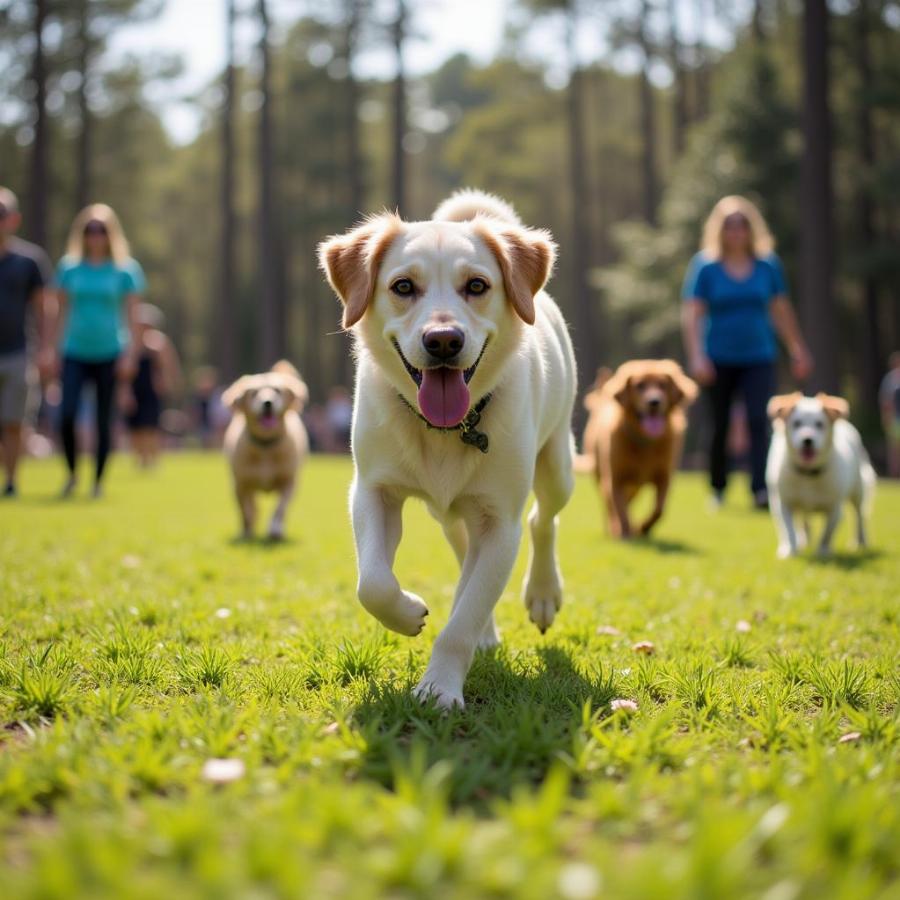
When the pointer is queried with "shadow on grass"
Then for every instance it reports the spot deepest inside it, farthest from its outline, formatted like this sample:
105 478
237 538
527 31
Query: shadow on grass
521 715
262 542
665 546
848 560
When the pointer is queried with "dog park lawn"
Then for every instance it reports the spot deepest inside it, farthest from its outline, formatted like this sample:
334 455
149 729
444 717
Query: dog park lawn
138 640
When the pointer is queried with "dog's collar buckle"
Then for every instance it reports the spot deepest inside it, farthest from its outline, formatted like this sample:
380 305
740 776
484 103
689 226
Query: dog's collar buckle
811 473
264 442
468 430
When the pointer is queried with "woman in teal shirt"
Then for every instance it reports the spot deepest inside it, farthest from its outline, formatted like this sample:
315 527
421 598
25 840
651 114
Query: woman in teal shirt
735 302
98 286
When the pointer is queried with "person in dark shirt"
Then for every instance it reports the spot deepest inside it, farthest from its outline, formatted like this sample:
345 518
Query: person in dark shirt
24 273
889 403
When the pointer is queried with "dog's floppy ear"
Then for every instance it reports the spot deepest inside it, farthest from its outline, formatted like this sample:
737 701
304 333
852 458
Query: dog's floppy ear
835 407
296 390
617 386
525 257
681 388
235 396
781 405
350 262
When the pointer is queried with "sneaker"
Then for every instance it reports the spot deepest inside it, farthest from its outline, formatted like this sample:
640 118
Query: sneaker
716 499
761 500
97 492
68 489
10 490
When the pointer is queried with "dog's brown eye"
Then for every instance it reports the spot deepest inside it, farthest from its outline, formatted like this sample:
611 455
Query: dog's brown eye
476 286
403 287
641 385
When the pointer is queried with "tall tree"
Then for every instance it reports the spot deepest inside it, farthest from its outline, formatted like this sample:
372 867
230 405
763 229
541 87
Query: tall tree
679 94
872 356
648 118
817 301
83 175
398 173
273 321
39 173
224 305
586 337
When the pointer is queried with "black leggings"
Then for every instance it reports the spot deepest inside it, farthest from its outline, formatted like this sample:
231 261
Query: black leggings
756 384
75 373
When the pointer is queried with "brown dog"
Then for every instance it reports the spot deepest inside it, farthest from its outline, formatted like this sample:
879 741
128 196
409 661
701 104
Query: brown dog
635 433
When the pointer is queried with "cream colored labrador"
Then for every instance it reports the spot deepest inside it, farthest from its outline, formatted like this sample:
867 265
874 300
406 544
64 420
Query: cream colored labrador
465 384
266 442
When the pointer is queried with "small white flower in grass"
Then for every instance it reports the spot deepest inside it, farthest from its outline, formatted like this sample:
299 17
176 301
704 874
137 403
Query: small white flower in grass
223 771
223 612
333 728
579 881
850 737
608 629
645 647
629 706
743 626
130 561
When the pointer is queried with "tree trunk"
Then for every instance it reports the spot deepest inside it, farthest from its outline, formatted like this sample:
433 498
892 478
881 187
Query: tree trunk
224 304
648 124
585 336
272 323
37 188
679 98
701 64
83 178
399 161
872 357
817 304
756 22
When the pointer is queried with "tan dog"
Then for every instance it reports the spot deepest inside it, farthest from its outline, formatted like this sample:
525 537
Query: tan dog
817 462
266 441
465 383
635 433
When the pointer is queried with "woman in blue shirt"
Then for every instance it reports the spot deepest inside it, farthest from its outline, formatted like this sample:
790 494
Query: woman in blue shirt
98 288
735 303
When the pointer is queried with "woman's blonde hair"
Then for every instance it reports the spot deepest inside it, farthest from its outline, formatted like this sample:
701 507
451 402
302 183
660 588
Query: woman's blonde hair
761 241
98 212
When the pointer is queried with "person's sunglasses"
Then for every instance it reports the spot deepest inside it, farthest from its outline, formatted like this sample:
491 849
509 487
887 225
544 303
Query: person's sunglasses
95 228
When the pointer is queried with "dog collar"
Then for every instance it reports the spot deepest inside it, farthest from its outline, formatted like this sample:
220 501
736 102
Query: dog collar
468 431
264 442
801 470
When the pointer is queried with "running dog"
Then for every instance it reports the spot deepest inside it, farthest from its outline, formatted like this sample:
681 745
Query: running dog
465 384
817 462
634 435
266 442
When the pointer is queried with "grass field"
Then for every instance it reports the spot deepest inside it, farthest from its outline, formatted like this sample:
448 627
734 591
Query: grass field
138 640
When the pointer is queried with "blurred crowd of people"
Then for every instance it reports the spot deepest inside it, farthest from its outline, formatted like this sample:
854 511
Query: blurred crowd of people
86 364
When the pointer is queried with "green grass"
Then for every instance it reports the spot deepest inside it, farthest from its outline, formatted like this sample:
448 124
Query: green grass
138 640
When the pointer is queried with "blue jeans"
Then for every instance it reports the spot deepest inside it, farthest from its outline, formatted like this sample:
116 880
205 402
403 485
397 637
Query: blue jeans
75 373
756 384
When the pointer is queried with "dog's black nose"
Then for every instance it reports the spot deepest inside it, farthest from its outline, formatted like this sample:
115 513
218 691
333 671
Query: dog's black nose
444 342
654 403
807 443
267 406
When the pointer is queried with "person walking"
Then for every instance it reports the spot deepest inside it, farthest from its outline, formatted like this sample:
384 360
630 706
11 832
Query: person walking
98 290
735 303
889 404
158 375
24 275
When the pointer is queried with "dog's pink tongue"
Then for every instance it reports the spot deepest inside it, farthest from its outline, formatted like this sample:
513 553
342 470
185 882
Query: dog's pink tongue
654 426
443 397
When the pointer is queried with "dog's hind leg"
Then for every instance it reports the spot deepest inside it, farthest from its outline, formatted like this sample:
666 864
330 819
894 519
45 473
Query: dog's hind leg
784 525
834 518
276 526
247 505
553 485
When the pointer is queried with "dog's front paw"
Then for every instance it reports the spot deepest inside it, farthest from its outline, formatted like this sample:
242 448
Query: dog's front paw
445 696
542 600
402 611
276 533
785 551
823 551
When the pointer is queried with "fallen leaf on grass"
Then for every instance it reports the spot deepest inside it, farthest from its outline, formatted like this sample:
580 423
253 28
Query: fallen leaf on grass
849 737
223 771
644 647
623 704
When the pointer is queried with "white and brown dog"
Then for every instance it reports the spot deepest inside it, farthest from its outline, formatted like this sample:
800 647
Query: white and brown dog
266 442
465 384
817 462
